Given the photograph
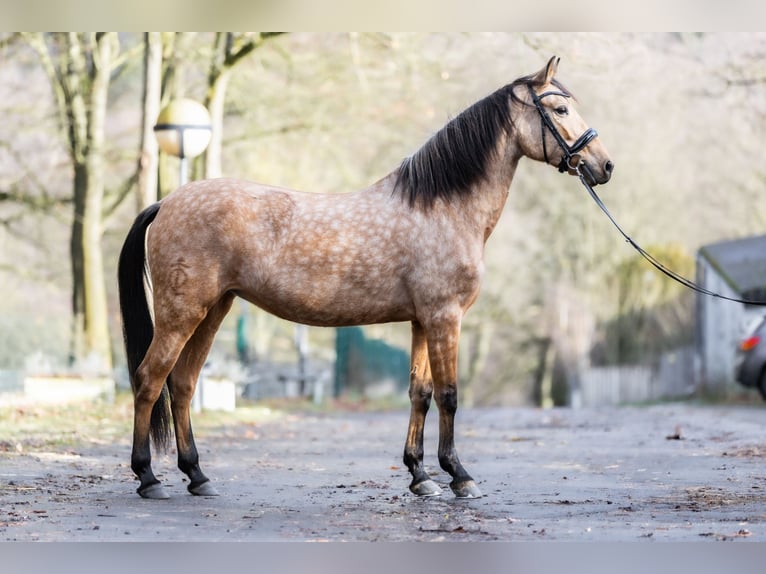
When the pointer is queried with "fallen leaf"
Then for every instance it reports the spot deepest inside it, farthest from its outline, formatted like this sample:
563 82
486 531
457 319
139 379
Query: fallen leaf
676 435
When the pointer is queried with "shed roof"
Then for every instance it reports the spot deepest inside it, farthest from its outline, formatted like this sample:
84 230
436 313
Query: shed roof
741 263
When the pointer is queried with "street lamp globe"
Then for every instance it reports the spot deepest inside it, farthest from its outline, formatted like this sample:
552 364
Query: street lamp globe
183 128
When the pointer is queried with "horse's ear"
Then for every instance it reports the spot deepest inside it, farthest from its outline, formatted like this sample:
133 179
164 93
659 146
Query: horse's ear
545 75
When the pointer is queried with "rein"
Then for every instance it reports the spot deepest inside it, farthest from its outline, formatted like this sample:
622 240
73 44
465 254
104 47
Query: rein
651 259
572 161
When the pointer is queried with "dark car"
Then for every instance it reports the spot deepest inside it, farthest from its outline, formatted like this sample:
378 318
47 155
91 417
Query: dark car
751 358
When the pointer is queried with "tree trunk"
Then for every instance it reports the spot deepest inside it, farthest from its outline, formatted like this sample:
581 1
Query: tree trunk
77 257
481 345
540 376
148 159
174 47
86 97
96 327
228 50
215 104
79 69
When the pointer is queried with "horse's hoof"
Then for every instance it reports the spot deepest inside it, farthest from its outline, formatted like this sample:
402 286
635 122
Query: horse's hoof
204 489
154 491
426 488
467 489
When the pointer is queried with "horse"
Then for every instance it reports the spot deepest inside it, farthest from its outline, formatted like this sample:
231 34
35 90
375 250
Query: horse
407 248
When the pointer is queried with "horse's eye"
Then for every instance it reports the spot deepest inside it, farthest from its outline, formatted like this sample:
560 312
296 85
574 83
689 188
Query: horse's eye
562 110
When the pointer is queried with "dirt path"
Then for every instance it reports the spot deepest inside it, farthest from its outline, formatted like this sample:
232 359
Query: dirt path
671 472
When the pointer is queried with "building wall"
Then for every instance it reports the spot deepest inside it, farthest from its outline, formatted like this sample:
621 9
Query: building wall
720 326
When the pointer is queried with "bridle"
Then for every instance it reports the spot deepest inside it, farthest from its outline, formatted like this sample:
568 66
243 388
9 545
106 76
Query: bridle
571 161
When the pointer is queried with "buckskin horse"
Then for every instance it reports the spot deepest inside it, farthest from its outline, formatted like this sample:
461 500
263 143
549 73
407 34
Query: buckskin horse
408 248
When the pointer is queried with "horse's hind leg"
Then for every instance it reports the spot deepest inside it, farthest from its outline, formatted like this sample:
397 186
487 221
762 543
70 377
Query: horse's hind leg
421 388
151 376
182 383
443 337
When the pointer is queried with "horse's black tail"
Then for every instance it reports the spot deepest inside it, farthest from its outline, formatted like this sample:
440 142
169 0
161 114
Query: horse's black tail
137 326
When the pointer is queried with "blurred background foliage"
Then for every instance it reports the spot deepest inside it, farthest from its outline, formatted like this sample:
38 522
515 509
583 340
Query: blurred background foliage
683 116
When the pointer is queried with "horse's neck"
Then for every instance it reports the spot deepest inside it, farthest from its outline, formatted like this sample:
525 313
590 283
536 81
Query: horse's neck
485 203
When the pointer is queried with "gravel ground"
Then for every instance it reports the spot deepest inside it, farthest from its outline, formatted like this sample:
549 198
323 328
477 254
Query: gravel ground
674 472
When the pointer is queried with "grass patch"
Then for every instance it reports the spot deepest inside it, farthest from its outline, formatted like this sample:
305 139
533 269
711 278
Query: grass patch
37 428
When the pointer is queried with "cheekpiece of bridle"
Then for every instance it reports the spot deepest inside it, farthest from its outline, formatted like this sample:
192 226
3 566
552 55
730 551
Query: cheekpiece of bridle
571 160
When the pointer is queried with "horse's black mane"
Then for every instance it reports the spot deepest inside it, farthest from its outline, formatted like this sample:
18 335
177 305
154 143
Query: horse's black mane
456 156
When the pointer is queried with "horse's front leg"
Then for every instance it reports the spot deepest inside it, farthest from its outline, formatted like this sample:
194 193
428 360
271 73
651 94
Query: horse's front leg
421 388
443 336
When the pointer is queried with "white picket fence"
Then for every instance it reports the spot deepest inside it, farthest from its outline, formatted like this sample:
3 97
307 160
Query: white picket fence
672 377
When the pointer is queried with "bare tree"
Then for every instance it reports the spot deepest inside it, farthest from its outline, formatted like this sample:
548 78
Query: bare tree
150 109
229 49
79 67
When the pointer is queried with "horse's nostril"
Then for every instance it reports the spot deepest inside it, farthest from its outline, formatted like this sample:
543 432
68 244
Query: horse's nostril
608 166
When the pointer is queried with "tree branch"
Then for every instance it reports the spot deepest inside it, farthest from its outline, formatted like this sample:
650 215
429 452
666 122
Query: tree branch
10 39
122 192
20 196
37 42
745 81
281 130
119 62
241 46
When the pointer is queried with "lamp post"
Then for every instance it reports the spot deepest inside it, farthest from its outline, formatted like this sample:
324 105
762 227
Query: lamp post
183 129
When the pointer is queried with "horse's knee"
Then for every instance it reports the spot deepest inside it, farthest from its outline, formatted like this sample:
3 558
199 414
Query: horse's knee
420 396
446 399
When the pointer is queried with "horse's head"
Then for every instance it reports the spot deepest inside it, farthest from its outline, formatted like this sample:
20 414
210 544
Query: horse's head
551 129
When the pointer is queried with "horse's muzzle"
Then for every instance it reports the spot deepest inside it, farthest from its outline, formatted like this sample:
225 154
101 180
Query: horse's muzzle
594 177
